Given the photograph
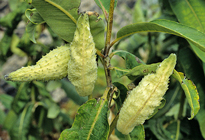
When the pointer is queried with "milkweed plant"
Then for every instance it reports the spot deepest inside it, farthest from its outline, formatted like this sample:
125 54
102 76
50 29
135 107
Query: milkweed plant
162 84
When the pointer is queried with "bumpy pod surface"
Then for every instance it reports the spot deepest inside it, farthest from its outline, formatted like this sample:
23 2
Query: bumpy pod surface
52 66
144 98
82 66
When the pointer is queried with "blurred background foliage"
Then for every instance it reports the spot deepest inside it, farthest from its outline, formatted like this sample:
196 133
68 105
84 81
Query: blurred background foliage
41 110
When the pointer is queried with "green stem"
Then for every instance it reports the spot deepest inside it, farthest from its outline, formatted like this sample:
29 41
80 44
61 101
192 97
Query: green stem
178 130
109 27
40 120
127 137
182 101
33 94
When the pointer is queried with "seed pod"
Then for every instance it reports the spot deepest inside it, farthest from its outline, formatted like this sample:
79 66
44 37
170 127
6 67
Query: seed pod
82 66
52 66
143 99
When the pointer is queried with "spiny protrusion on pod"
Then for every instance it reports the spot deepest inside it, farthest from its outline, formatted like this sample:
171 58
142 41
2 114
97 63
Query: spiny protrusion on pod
52 66
144 98
82 66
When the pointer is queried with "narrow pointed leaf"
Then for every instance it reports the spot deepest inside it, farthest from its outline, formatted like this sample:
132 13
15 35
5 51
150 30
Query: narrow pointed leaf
90 122
194 36
190 92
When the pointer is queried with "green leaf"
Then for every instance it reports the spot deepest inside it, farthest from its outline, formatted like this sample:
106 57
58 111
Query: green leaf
5 44
157 128
6 100
21 98
122 94
191 9
105 4
21 127
41 88
61 16
53 111
138 133
140 70
166 26
72 93
130 60
10 120
190 92
193 70
14 46
33 16
97 27
90 122
34 20
120 71
138 15
2 116
162 104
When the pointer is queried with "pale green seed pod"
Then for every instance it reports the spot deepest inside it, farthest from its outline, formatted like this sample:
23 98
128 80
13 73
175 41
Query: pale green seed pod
52 66
82 66
144 98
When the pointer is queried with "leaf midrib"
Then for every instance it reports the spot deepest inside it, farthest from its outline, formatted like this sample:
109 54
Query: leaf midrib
62 9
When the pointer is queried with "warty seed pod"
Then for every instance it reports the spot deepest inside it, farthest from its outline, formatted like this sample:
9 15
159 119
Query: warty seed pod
82 66
52 66
144 98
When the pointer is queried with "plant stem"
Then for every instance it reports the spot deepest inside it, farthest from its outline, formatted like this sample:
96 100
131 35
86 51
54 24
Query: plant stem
182 100
178 130
127 137
109 27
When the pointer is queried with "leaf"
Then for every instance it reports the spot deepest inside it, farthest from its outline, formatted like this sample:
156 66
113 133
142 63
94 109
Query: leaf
130 60
71 92
33 16
157 128
53 111
21 98
35 19
20 129
5 44
138 133
97 27
193 70
6 100
61 16
2 116
10 119
191 9
190 92
166 26
140 70
105 4
162 104
143 70
122 94
90 122
14 43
